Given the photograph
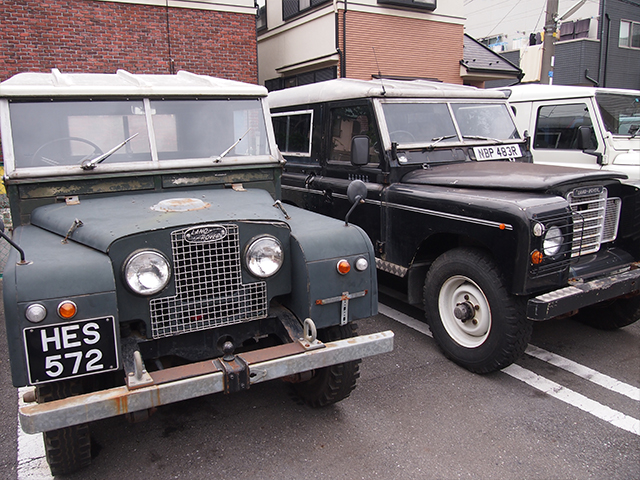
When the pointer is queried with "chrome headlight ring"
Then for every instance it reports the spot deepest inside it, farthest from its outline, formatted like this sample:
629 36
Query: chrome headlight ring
552 241
264 256
146 272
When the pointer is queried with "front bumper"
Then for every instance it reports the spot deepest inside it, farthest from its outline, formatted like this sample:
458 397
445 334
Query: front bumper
579 295
195 380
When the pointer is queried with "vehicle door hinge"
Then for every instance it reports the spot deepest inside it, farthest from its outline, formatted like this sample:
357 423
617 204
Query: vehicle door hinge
380 247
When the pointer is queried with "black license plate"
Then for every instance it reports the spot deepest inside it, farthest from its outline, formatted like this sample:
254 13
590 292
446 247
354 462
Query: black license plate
71 349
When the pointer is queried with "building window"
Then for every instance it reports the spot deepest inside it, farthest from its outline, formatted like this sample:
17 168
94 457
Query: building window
291 8
421 4
261 15
315 76
629 34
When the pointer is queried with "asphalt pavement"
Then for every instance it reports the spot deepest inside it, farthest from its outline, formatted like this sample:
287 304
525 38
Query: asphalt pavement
567 410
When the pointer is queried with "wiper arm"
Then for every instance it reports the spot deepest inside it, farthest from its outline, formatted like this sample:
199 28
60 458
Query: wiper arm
91 164
480 137
223 154
437 140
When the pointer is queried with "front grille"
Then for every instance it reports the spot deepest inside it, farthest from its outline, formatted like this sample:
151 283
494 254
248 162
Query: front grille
209 288
595 219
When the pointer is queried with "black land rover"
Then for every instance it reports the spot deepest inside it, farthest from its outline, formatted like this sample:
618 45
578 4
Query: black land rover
460 218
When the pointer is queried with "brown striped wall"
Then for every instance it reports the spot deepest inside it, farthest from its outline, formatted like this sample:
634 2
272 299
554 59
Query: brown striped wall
405 47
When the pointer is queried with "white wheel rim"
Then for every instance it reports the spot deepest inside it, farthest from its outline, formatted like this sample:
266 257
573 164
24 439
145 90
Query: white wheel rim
462 290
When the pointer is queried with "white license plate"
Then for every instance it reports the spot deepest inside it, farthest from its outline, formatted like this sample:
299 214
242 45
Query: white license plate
71 349
497 152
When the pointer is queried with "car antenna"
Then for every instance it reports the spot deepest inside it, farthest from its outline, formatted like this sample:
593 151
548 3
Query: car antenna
384 92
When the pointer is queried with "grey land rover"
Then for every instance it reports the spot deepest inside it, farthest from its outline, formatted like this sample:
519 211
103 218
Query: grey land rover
153 261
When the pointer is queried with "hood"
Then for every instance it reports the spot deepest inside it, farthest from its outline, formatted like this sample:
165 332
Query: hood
105 220
505 176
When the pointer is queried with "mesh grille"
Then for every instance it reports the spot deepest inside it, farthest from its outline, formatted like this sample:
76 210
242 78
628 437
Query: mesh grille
610 228
588 220
209 288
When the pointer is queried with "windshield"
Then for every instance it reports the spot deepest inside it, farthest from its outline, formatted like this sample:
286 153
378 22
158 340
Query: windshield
54 133
430 123
620 112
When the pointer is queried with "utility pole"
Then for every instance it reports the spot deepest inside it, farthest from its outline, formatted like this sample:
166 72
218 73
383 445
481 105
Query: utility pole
549 43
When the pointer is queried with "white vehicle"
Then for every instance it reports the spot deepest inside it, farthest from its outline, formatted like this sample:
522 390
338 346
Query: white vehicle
581 126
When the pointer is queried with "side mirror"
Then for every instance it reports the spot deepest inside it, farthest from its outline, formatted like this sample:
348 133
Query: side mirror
585 143
360 150
584 138
356 192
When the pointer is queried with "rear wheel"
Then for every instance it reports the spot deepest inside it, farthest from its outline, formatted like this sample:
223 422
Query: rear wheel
67 449
475 321
332 384
611 314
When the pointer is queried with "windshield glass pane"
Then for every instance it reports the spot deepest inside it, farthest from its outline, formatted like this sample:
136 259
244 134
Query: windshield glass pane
66 133
421 123
209 128
620 113
484 121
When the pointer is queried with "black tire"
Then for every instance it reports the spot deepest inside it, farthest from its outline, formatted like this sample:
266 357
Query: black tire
67 449
495 331
612 314
332 384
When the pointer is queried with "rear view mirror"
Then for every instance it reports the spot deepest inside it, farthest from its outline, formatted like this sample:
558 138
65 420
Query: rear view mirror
356 192
360 150
586 143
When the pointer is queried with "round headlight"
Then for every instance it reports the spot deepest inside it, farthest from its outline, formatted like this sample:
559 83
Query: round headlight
147 272
264 256
552 241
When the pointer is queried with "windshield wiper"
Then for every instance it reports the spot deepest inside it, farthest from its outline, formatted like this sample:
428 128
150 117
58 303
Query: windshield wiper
223 154
91 164
437 140
480 137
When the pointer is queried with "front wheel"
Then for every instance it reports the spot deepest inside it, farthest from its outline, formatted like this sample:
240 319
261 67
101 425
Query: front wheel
332 384
475 321
611 314
67 449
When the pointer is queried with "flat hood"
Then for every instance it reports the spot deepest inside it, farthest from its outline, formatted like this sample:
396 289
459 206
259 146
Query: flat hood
104 220
505 176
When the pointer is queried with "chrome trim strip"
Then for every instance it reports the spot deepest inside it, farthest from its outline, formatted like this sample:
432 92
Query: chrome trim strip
450 216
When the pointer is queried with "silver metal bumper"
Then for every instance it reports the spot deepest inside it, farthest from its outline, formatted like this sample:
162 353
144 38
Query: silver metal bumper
181 383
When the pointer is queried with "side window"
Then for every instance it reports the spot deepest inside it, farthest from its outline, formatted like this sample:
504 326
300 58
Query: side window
557 127
293 132
346 123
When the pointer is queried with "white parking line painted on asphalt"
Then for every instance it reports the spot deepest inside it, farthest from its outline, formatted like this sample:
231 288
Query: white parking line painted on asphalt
575 399
32 462
585 372
400 317
549 387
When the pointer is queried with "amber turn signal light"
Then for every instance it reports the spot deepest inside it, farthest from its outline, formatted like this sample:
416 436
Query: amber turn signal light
343 267
536 257
67 309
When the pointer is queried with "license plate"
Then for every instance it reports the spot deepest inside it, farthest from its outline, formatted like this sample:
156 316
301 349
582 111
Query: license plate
72 349
497 152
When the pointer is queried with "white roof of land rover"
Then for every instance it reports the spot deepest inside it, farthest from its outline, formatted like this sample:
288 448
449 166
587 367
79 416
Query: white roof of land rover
56 84
533 92
348 88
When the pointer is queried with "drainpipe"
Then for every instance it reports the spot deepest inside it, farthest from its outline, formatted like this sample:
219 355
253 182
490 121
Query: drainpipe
603 9
343 70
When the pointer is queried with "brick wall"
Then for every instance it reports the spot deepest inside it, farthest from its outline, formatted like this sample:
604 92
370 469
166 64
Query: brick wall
101 37
405 47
